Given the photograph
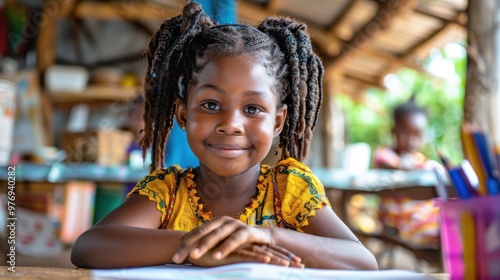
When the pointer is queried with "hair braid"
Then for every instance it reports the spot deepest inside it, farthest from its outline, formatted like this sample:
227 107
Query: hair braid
163 73
274 27
303 50
155 53
303 89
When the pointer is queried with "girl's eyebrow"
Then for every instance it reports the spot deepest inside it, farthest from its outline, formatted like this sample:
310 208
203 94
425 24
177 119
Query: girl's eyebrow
215 88
247 93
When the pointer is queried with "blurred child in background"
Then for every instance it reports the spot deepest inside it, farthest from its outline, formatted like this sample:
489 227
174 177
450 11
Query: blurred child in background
415 220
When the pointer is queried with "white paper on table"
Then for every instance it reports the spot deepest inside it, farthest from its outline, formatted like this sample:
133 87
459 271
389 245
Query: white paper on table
249 271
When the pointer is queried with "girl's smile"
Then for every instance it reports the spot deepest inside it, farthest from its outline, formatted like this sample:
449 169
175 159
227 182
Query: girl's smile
227 150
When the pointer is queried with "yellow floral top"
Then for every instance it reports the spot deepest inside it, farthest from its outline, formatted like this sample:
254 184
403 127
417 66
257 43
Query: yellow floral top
288 194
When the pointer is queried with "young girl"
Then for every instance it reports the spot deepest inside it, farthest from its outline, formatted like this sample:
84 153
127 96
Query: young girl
416 221
410 122
233 88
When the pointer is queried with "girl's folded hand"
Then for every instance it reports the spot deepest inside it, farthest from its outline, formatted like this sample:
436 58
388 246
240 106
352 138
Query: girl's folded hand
251 253
223 236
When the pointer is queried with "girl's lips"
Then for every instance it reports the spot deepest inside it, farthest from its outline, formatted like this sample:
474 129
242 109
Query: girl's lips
227 150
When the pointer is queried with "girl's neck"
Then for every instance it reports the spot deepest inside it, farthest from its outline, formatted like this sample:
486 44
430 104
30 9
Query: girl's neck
213 186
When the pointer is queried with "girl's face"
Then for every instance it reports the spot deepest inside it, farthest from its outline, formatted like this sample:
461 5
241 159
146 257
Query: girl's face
231 115
409 132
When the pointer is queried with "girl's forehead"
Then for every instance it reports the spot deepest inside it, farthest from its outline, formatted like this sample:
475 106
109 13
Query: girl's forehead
235 60
243 67
217 51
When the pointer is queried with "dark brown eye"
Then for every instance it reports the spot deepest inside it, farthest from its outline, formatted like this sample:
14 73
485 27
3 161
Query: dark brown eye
211 106
252 110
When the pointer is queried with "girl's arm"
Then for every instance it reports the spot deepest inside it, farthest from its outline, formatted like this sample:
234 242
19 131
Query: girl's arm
326 243
128 236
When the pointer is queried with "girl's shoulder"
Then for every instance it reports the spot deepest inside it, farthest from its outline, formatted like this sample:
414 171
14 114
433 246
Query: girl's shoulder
164 178
299 192
170 172
291 164
161 185
294 173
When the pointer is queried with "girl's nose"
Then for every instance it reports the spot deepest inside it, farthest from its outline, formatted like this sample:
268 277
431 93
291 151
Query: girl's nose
231 123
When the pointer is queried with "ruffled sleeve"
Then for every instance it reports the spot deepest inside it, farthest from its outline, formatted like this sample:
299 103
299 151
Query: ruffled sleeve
159 187
303 193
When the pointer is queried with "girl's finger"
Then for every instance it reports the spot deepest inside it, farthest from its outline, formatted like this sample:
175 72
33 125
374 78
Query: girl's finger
265 249
283 254
213 238
249 256
297 265
202 239
233 241
198 233
289 255
275 257
243 235
191 240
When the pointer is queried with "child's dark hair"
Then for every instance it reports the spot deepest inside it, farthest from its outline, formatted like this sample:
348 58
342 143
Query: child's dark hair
183 45
410 107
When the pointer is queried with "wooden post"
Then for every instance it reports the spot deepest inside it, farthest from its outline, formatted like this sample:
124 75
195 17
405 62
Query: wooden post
332 119
482 96
47 31
45 49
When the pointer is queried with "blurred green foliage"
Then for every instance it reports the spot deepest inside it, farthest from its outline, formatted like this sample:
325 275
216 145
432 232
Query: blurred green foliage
441 93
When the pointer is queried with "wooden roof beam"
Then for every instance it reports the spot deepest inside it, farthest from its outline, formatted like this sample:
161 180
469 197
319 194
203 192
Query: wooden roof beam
388 10
366 82
273 6
252 14
247 12
121 10
425 45
391 59
355 91
460 19
345 15
450 27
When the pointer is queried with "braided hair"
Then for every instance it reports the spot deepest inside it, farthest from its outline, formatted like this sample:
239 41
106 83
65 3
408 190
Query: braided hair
185 44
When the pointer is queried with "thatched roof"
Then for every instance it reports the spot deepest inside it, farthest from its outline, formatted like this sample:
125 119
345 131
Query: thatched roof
367 39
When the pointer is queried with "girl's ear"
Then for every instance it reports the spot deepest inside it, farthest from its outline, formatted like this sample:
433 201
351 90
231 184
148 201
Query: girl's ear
180 112
280 120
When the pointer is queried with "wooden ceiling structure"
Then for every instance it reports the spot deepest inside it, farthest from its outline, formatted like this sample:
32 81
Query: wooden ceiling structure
361 40
364 40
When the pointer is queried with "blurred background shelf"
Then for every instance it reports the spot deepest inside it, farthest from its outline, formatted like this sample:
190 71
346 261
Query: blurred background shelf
96 93
64 172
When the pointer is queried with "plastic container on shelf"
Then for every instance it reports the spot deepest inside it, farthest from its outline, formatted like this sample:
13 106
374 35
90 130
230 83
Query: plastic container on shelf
66 78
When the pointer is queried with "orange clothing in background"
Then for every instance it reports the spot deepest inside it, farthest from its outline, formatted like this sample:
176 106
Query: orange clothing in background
415 220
